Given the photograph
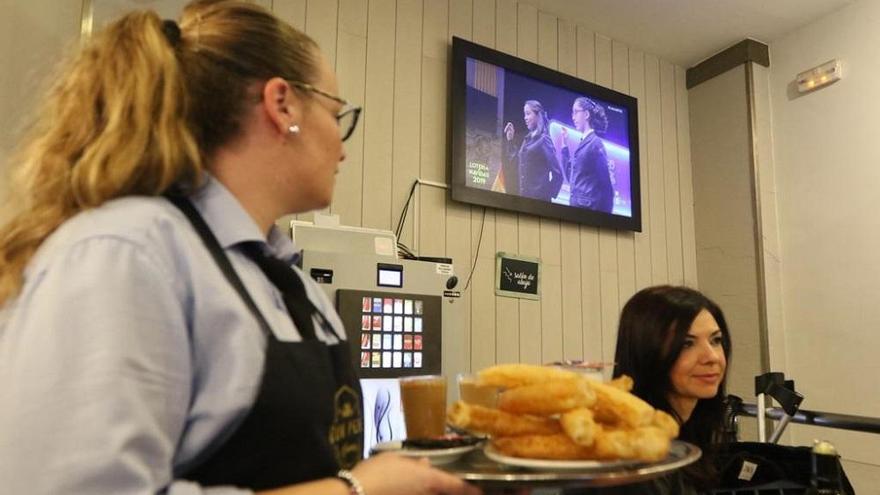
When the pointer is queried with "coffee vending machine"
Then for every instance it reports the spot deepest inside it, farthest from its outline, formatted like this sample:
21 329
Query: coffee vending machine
402 317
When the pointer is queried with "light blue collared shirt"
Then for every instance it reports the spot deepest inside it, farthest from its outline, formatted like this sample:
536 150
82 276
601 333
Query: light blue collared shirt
127 353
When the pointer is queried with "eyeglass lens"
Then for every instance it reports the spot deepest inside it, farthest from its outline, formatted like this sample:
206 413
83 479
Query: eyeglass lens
347 122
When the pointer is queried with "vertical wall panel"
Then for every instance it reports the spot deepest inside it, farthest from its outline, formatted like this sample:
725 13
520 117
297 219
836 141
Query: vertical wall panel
432 204
670 174
482 291
458 216
506 226
34 37
407 112
484 341
608 269
529 242
551 294
484 22
567 47
292 11
506 309
266 4
378 116
461 20
321 22
586 54
505 26
657 196
591 302
625 244
351 54
570 244
686 181
642 242
321 25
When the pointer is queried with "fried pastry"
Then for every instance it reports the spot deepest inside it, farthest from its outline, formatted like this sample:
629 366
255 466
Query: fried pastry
555 447
580 426
549 398
623 382
648 444
614 406
665 422
494 422
518 375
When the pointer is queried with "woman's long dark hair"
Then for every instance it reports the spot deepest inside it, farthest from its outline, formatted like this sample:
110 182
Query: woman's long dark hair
543 120
653 327
598 120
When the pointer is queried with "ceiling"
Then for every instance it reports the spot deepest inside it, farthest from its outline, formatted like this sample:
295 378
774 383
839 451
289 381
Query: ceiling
685 32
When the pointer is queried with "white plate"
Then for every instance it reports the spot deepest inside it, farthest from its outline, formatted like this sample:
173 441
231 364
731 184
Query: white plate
436 456
554 465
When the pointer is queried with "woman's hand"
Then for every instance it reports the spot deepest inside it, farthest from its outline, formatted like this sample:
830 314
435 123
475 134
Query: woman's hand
564 138
508 131
391 474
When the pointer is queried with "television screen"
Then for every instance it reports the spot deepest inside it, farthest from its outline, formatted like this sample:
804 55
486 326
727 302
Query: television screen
534 140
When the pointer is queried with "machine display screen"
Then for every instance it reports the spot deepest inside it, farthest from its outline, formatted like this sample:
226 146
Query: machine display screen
389 275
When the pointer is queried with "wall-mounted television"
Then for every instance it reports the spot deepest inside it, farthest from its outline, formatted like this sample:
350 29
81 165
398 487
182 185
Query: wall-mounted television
530 139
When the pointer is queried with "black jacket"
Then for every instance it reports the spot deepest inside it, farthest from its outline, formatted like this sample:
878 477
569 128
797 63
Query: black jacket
540 175
589 176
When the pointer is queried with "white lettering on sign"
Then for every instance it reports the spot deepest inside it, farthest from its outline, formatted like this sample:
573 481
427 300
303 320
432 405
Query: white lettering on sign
522 279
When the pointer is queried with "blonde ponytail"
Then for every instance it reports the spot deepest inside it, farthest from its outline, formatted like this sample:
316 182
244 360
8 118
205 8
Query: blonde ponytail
115 124
138 112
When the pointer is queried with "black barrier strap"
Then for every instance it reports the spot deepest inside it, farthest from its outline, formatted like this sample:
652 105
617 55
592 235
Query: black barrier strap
818 418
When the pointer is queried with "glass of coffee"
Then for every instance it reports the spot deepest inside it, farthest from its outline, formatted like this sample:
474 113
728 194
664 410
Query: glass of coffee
472 392
424 405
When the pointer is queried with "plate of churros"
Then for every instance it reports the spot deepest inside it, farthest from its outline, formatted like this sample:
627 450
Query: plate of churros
550 418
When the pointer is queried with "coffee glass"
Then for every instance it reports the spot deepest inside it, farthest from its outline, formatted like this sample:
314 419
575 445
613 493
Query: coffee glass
424 405
472 392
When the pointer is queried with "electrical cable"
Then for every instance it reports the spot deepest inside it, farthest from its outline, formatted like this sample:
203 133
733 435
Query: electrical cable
402 219
477 254
406 253
401 247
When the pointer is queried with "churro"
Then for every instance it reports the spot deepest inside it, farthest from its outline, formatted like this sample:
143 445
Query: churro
494 422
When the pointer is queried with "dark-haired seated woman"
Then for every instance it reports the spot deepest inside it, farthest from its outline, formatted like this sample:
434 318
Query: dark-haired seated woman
675 344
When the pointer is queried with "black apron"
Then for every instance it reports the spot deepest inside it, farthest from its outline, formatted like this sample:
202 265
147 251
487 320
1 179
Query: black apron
306 422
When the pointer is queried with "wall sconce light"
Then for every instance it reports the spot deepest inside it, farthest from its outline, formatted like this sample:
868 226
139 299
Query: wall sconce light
819 76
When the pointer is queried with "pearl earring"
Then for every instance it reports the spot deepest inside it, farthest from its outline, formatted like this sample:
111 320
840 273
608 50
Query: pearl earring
293 129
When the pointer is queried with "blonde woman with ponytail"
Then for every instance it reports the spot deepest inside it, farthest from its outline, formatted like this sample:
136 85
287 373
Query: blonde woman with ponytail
154 337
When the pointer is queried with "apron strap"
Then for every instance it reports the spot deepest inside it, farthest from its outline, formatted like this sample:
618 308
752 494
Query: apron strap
210 241
293 292
299 306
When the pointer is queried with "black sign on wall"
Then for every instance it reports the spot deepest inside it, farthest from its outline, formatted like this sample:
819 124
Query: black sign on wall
517 276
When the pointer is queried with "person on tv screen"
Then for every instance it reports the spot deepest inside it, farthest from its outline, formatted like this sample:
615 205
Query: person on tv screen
538 170
588 167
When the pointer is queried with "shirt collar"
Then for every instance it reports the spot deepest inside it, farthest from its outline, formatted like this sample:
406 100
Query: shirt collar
231 223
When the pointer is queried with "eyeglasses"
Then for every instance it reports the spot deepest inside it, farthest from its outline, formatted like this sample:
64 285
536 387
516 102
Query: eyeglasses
347 118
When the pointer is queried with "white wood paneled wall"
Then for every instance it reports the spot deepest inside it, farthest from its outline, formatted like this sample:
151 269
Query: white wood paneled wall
393 57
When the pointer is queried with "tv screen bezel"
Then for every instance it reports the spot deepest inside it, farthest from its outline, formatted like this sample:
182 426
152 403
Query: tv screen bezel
461 51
